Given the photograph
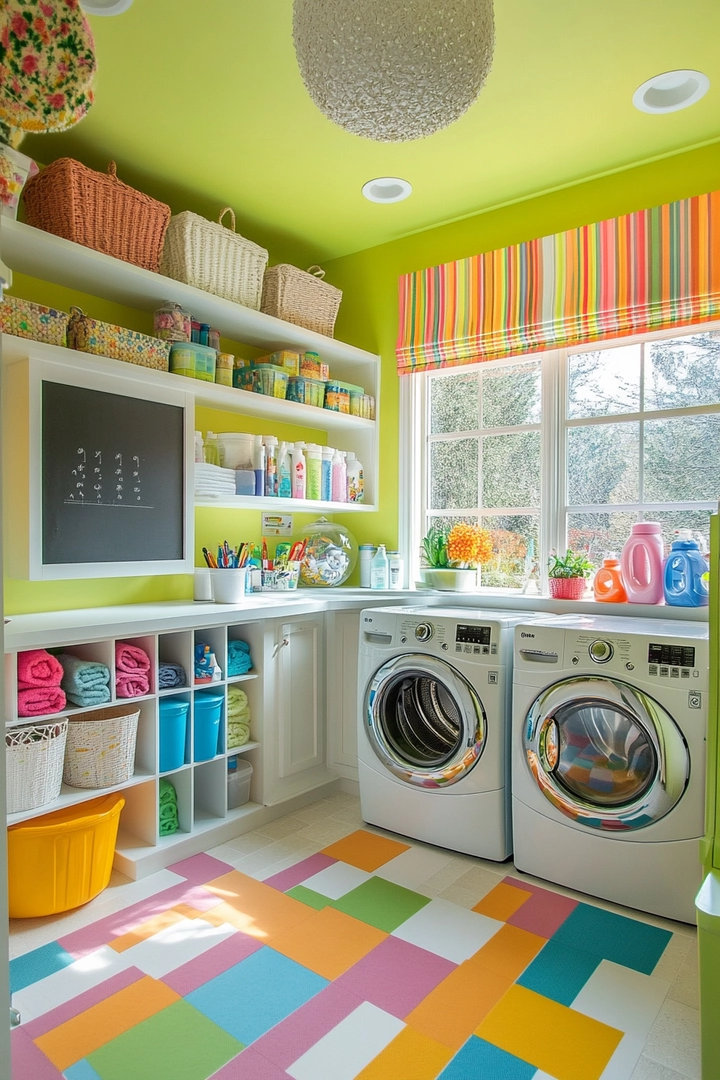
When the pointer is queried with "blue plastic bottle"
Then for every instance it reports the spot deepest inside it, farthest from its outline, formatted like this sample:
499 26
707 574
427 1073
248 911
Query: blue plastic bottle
683 583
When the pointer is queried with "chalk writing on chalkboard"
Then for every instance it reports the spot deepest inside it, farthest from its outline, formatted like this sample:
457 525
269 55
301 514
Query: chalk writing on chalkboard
100 492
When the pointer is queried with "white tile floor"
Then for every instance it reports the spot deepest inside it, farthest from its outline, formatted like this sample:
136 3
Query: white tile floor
672 1048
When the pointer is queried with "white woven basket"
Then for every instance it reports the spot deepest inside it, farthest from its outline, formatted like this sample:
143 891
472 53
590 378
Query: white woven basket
100 748
213 258
34 761
301 297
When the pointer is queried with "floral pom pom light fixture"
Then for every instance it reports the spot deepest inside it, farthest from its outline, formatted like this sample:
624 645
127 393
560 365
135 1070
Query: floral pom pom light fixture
393 70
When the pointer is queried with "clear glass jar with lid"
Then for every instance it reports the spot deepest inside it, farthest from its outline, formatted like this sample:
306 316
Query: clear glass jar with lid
331 553
172 322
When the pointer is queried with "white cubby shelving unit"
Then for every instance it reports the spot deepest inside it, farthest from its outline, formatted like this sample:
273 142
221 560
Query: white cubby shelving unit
201 785
51 258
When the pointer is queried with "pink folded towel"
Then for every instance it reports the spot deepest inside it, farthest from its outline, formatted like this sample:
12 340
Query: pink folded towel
132 685
38 668
40 700
130 659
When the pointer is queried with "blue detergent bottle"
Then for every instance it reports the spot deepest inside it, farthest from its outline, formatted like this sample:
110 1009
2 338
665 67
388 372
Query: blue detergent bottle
683 575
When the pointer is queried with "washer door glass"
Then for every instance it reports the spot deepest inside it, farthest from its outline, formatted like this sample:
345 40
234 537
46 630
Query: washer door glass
605 753
424 720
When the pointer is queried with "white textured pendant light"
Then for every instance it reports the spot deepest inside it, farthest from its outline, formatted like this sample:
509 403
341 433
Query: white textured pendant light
393 70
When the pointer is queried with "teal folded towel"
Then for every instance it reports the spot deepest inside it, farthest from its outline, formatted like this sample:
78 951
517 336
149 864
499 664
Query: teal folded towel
239 660
85 682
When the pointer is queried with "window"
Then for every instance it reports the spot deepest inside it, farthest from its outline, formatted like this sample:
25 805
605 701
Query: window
569 449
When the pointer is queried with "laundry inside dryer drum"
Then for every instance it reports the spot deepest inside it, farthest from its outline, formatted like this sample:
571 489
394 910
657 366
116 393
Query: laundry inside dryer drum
420 720
604 755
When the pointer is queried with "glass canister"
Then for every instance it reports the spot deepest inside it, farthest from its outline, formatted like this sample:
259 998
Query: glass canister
171 322
331 552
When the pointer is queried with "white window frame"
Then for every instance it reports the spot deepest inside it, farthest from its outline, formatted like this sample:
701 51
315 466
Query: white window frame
413 464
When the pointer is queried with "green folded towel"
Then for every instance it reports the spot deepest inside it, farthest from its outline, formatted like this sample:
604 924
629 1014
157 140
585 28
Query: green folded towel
238 735
169 821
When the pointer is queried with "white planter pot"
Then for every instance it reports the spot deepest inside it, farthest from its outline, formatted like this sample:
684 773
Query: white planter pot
451 580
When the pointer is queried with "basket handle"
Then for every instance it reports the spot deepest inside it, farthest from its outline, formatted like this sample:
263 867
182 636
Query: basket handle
316 271
227 210
112 169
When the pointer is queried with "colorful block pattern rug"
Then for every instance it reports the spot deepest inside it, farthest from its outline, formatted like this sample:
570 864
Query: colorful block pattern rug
337 969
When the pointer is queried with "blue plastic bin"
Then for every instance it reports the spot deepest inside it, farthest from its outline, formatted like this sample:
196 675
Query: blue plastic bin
173 726
208 708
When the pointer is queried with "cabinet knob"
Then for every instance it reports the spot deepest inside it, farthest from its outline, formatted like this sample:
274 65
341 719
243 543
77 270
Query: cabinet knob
280 645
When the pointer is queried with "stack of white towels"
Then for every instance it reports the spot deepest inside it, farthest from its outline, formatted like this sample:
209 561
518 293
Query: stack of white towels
212 481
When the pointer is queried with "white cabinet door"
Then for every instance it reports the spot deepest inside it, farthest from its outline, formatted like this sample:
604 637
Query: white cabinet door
343 629
295 715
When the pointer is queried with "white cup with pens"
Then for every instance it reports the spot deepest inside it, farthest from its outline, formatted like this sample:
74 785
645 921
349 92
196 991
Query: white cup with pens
228 573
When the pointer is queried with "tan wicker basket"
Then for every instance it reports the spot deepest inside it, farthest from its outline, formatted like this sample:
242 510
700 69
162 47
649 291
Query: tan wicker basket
106 339
301 297
214 258
98 211
100 749
34 762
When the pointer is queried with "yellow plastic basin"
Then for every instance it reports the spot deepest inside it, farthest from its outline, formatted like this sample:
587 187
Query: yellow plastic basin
63 859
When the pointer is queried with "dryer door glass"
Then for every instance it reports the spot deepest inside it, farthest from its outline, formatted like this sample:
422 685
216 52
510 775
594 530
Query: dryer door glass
424 720
603 754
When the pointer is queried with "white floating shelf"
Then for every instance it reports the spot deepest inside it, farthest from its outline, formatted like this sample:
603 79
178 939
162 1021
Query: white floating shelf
51 258
296 506
70 796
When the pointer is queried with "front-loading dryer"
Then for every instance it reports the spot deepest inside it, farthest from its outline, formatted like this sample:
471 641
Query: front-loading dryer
608 757
434 725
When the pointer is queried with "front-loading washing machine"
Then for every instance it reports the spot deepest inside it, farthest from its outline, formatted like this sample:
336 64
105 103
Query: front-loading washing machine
608 757
434 725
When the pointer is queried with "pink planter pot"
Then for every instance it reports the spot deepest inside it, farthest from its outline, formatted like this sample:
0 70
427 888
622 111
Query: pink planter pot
571 588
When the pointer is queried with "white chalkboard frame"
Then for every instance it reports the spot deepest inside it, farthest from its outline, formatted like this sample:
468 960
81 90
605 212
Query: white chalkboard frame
24 381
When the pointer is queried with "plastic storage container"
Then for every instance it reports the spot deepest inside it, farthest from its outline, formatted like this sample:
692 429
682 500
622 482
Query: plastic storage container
683 583
224 367
208 708
238 782
312 367
306 391
173 728
61 860
337 398
171 322
642 564
262 379
236 449
193 360
608 585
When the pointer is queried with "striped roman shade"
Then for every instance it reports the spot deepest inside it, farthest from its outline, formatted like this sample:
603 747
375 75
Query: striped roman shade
643 271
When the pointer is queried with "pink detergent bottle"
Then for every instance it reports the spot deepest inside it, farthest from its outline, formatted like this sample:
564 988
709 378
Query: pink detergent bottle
642 564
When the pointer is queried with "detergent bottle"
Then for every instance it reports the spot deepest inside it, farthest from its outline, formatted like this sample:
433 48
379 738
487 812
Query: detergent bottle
641 562
683 579
608 584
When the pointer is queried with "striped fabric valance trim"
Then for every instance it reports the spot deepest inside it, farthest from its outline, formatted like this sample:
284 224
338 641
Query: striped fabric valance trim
640 272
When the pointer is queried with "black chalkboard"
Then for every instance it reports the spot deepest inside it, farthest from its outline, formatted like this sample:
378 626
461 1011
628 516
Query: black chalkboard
112 477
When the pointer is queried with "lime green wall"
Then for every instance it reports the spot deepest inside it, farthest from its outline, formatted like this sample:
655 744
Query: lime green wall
368 318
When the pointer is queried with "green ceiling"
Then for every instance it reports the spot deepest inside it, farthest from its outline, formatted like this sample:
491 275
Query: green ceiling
201 102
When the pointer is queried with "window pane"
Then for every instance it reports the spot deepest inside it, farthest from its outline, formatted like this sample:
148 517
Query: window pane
454 474
511 470
681 459
682 372
511 395
599 534
516 543
453 403
605 382
603 462
698 521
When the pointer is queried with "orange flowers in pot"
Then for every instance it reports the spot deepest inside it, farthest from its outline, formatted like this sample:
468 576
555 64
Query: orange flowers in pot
468 546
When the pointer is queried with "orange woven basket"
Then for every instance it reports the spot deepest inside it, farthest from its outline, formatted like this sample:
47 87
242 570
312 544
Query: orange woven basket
98 211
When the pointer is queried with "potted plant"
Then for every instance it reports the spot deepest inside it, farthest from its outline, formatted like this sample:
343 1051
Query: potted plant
567 575
454 557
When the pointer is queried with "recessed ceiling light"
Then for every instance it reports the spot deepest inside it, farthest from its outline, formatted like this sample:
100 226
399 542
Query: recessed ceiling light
105 7
387 189
670 91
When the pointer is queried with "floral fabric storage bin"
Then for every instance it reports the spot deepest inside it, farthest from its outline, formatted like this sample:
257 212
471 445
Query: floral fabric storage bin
34 321
106 339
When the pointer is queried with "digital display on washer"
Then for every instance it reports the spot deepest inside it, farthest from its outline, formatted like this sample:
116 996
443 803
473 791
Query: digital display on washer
472 635
672 655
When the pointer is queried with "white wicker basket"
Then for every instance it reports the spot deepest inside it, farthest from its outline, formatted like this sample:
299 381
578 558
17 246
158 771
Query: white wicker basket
34 760
213 258
100 748
301 297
